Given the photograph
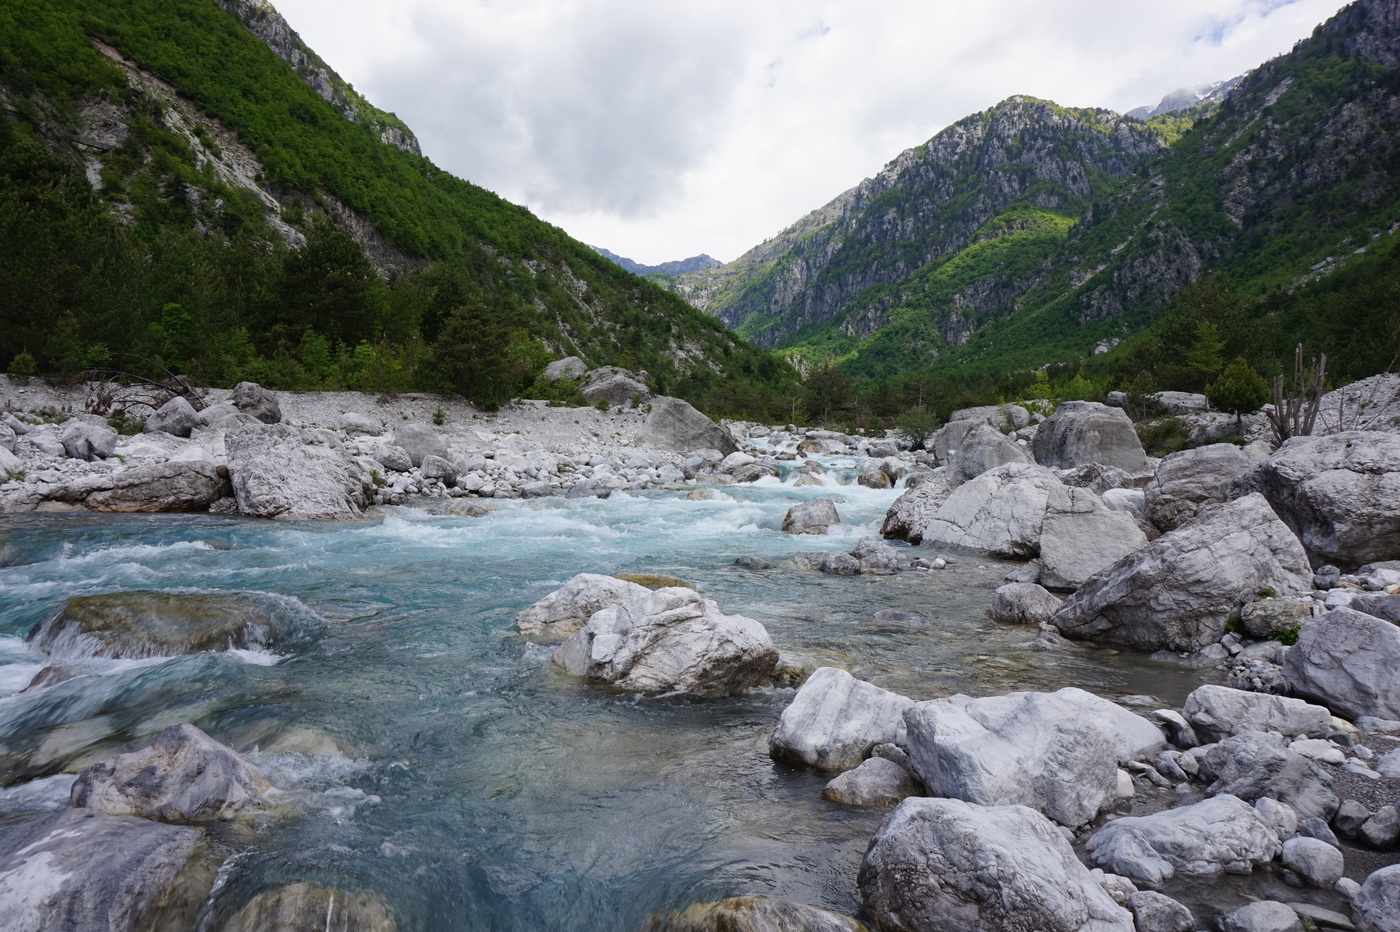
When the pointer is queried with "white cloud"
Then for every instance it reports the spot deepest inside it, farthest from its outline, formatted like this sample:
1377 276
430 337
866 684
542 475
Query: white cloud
661 130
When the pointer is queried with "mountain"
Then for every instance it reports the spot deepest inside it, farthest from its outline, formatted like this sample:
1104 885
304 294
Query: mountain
1186 98
668 269
186 182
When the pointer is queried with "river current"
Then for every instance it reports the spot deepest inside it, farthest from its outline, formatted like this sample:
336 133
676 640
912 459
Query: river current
434 756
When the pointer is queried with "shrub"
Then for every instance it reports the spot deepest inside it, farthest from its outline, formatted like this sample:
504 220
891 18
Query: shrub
1239 390
918 423
23 366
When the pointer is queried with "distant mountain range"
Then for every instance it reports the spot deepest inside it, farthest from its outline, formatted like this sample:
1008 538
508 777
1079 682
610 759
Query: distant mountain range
677 267
1185 98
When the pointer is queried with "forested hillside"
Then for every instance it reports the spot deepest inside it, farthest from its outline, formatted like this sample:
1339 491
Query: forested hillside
171 188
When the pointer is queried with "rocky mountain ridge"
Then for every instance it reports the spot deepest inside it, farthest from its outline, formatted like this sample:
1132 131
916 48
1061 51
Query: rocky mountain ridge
673 268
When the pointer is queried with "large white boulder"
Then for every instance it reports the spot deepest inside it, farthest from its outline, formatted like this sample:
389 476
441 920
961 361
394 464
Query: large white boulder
913 511
292 473
252 399
419 440
982 448
1187 480
1082 536
1217 712
87 437
1082 432
568 608
177 417
835 719
999 513
674 424
1347 660
1377 907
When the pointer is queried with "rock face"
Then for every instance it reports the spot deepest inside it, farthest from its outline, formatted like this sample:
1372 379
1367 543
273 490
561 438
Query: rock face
1377 907
912 512
1346 660
177 416
83 871
568 608
999 513
812 517
940 865
570 367
1083 432
835 719
1217 712
251 398
1082 536
754 914
419 441
185 778
294 474
1203 840
1023 604
1180 590
162 487
674 425
133 625
670 640
304 907
1340 493
1057 753
1187 480
983 448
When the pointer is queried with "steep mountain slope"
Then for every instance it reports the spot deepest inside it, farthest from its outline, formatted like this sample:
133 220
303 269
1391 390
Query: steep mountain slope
176 186
944 235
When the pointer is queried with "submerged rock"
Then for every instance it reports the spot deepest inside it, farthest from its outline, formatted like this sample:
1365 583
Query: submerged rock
834 721
1023 604
812 517
753 914
309 907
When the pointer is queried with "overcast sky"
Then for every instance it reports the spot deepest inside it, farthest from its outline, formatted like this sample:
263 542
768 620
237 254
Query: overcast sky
661 130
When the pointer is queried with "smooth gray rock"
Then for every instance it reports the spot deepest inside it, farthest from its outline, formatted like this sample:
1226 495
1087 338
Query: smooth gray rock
1382 829
1187 480
358 425
835 720
1347 660
911 512
615 386
1264 916
177 417
1384 607
307 907
1023 604
1317 862
1082 432
878 558
750 562
1081 536
87 439
251 398
1154 912
939 865
1098 478
162 488
214 415
674 425
1202 840
568 608
1256 763
419 440
1057 753
1377 907
392 457
184 778
876 782
294 474
1280 815
1217 712
982 448
439 468
1268 617
1000 512
570 367
812 517
753 914
1314 827
1351 815
949 437
670 640
1179 591
82 872
840 564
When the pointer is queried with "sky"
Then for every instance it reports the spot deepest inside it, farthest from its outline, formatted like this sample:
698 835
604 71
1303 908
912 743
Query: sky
661 130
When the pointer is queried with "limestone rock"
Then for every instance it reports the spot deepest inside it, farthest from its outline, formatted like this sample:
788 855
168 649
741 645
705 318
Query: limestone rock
1081 432
419 440
1217 712
1081 536
162 487
307 907
674 425
876 782
439 468
999 513
982 448
1179 591
1267 617
570 367
294 474
251 398
912 512
1187 480
615 386
177 417
669 640
87 438
1254 764
358 425
568 608
392 457
184 778
812 517
1377 907
1203 840
835 719
1023 604
1386 607
937 865
754 914
1346 660
1153 912
1263 916
1317 862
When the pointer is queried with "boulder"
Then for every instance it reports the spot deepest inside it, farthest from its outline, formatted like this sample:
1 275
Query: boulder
912 512
1377 907
674 424
1263 916
295 474
834 721
982 448
87 438
939 865
812 517
439 468
10 465
1181 402
1098 478
1187 480
1317 862
876 782
358 425
133 625
1081 536
570 367
392 458
1268 617
1023 604
1255 764
184 778
419 440
1385 607
753 914
670 640
162 487
1154 912
999 513
568 608
215 415
1202 841
875 479
1057 753
1218 712
1179 591
81 871
878 558
308 907
1340 493
838 563
252 399
950 437
1347 660
177 416
1082 432
615 386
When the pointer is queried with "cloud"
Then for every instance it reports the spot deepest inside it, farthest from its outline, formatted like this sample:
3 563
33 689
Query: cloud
661 130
